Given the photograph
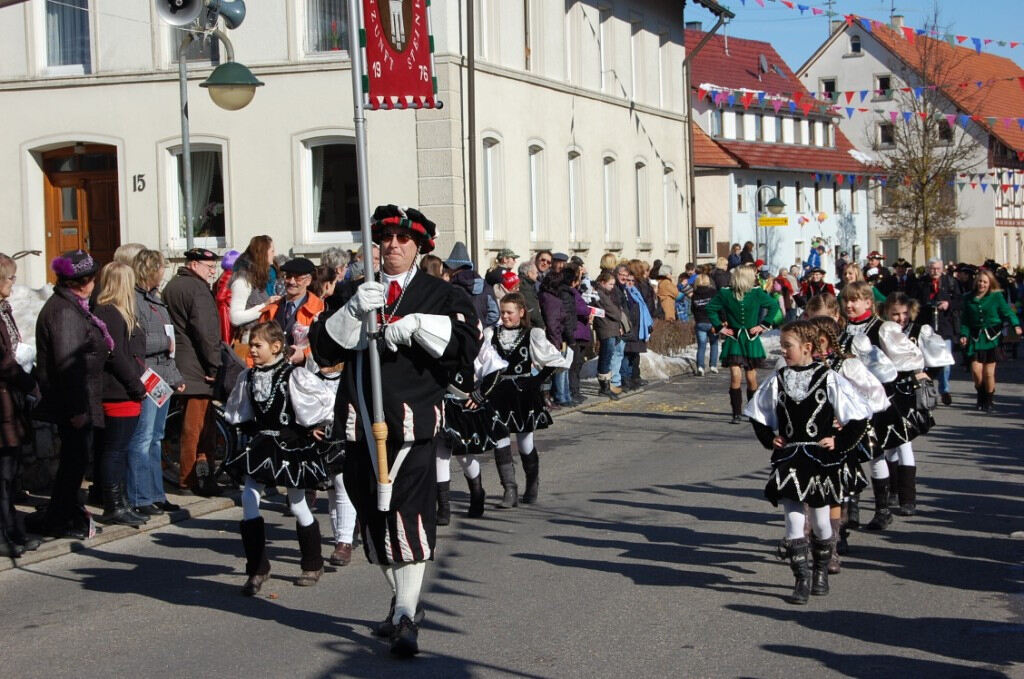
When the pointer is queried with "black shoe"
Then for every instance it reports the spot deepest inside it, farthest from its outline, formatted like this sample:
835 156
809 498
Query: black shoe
28 543
736 419
94 496
947 399
386 628
404 638
148 510
9 549
167 506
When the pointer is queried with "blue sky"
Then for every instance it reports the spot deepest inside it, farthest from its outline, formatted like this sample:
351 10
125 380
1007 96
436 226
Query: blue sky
795 37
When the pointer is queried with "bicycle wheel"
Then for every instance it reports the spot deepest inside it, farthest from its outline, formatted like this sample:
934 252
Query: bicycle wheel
225 441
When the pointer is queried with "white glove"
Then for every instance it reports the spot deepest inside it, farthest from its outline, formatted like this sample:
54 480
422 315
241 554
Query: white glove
401 332
369 297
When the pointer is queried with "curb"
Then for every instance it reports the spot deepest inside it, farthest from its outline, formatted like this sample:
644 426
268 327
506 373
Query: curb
51 549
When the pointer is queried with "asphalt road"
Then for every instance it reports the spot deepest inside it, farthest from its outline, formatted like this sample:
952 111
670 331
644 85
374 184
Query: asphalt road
651 553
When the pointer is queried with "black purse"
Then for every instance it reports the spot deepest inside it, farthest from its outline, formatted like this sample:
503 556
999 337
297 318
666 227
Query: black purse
926 394
231 367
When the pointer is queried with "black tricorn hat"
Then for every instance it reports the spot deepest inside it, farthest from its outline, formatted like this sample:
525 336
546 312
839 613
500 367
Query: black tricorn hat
423 230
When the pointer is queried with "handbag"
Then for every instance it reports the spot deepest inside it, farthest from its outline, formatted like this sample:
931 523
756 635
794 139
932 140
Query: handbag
926 394
231 367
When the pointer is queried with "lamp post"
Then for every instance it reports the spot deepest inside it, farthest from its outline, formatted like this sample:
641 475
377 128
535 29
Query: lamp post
774 207
231 87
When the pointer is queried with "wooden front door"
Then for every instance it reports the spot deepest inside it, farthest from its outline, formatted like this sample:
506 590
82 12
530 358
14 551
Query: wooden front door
82 204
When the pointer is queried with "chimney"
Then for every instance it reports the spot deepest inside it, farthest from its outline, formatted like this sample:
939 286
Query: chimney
897 21
837 24
694 26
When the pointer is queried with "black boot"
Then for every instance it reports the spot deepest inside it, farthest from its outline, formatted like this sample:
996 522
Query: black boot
894 483
750 394
838 537
531 466
507 475
989 401
736 401
797 553
821 551
311 561
980 404
882 517
115 509
853 511
444 505
254 542
907 492
476 496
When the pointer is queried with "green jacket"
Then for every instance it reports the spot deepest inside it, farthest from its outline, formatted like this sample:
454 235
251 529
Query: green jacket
743 315
981 320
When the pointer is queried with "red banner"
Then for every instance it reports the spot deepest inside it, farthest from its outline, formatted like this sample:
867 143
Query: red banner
399 55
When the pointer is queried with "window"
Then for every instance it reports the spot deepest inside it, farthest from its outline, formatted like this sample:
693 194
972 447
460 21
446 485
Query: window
778 130
68 49
891 249
883 87
536 168
705 236
201 50
886 134
669 203
636 65
573 41
207 193
854 203
798 131
855 46
334 203
948 249
945 132
835 198
759 198
818 133
827 86
740 126
817 197
830 134
641 203
798 252
491 185
610 202
801 204
606 49
575 196
741 198
327 26
758 127
716 122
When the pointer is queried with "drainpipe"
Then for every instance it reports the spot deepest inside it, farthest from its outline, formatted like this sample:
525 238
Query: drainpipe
471 243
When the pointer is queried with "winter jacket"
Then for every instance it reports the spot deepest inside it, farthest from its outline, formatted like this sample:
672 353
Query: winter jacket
15 385
305 316
222 293
945 323
475 287
631 309
611 324
650 299
667 293
127 361
70 355
193 313
701 296
553 310
721 278
582 313
529 293
154 319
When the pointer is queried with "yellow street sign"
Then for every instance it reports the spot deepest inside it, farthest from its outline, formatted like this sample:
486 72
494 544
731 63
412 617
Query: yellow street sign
773 221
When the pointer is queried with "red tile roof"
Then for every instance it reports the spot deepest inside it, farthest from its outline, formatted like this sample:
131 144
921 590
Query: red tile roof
999 99
739 68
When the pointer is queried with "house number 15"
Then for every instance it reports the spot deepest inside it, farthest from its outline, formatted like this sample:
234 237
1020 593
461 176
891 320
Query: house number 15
138 183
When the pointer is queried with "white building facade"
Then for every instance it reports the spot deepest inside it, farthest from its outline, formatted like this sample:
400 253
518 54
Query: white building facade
579 142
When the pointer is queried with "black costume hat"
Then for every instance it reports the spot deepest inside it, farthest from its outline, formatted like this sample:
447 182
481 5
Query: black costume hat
74 265
459 258
298 265
901 263
423 230
201 255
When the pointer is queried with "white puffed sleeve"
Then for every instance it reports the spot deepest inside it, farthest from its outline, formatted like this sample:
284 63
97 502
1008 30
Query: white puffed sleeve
239 406
544 354
936 353
488 360
905 355
874 359
761 408
866 384
312 400
847 403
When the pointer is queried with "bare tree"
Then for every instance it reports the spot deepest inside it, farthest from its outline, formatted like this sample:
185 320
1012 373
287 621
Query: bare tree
922 156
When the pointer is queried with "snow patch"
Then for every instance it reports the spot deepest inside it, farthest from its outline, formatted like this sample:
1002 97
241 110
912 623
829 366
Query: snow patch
26 304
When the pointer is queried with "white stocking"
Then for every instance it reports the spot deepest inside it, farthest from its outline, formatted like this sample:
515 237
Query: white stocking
470 465
408 583
879 469
794 518
343 512
525 442
905 453
820 524
300 510
251 499
389 575
443 462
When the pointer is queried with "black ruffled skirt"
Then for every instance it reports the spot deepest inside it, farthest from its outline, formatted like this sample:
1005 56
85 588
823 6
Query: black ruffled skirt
519 405
471 431
901 422
285 457
806 472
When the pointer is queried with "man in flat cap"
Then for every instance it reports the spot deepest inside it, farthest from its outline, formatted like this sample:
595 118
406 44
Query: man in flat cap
193 311
429 332
297 310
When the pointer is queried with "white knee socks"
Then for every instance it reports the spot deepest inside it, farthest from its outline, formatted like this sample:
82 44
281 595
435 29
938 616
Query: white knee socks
525 442
408 583
903 453
470 465
300 510
251 499
343 512
879 469
443 463
820 524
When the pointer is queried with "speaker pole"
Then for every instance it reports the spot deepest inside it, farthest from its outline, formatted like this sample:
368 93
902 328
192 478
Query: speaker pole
186 147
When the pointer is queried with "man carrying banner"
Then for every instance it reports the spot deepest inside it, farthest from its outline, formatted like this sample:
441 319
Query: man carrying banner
428 331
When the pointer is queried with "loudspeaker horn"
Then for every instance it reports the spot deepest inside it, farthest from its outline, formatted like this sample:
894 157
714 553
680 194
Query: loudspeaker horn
233 11
179 12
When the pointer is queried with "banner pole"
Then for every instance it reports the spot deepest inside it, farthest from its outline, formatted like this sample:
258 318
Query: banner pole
355 52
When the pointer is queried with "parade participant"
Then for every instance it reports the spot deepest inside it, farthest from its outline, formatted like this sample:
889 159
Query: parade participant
298 310
809 416
813 285
985 310
903 280
286 410
430 332
903 311
874 261
517 398
734 313
940 301
901 422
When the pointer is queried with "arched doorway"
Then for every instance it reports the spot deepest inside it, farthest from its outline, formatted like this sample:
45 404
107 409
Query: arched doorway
81 196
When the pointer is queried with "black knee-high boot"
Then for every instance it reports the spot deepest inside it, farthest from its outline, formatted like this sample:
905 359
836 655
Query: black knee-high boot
799 563
477 495
531 466
853 511
444 505
750 393
838 537
883 517
311 560
821 551
907 491
736 401
980 404
507 475
894 483
989 401
254 542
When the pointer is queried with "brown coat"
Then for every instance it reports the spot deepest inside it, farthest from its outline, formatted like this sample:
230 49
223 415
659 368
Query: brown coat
667 293
15 384
193 311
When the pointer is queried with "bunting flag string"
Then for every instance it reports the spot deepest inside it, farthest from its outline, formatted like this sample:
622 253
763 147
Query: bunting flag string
909 34
994 180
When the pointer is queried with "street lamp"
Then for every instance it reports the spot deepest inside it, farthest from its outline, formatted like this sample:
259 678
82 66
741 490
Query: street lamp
231 85
774 206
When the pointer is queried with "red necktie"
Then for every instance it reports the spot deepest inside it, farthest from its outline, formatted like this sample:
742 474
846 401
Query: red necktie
394 292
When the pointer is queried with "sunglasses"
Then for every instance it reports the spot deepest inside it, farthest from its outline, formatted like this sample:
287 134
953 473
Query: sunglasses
402 237
295 276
